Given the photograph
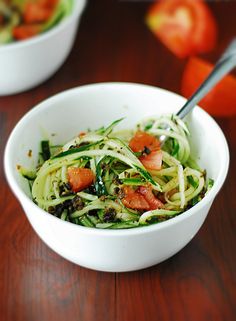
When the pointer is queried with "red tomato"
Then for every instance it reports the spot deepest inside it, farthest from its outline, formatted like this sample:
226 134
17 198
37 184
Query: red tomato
80 178
26 31
48 3
134 200
142 140
186 27
154 203
221 100
36 12
141 199
152 160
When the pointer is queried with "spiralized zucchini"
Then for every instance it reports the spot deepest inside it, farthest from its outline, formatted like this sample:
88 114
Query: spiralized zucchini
174 187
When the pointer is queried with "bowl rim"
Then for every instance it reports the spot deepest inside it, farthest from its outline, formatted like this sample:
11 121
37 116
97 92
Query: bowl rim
24 199
78 7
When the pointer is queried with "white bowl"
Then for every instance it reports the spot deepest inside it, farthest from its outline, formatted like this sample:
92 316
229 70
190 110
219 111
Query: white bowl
64 116
25 64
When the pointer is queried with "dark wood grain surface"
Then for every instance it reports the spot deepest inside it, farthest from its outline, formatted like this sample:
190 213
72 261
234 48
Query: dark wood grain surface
198 283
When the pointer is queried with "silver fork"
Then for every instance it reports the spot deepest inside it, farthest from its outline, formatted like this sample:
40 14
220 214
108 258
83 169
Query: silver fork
224 65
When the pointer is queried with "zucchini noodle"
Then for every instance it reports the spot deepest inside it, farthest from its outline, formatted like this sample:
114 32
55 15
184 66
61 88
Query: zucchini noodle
127 188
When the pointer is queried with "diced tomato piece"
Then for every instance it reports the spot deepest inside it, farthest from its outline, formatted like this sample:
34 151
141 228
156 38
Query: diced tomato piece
80 178
35 13
134 200
23 32
221 100
141 140
141 199
153 201
152 160
186 27
48 3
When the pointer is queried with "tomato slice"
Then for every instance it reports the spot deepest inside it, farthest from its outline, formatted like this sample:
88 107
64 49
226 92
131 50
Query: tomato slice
34 13
37 12
141 140
186 27
221 100
134 200
141 199
23 32
153 201
152 160
80 178
48 3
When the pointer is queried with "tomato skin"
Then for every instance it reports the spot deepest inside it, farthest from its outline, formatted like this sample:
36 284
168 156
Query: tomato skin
134 200
80 178
221 100
48 3
141 140
154 203
153 160
186 27
39 11
141 199
34 13
23 32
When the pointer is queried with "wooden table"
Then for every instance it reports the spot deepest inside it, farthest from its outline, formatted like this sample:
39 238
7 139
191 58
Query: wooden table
198 283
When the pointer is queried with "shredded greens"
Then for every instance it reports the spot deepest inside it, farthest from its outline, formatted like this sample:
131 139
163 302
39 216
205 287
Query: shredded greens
123 193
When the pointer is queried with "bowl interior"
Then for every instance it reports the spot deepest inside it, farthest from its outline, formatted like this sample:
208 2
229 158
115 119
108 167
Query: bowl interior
63 116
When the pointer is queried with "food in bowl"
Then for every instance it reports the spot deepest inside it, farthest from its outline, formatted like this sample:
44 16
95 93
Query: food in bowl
125 179
41 56
23 19
62 117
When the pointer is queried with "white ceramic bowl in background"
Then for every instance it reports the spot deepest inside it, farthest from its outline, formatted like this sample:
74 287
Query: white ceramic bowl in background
64 116
26 64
